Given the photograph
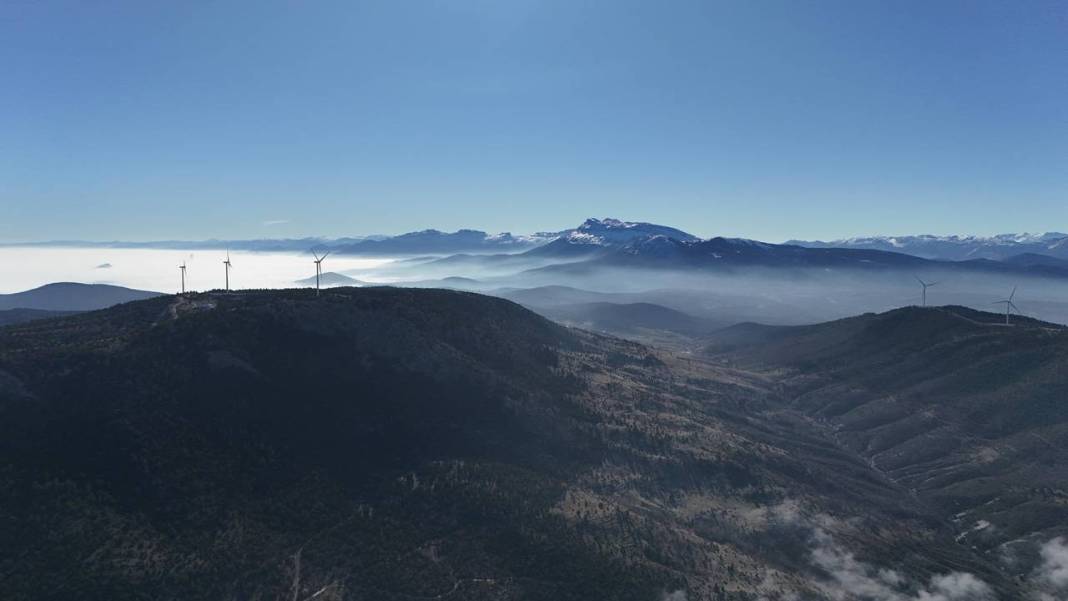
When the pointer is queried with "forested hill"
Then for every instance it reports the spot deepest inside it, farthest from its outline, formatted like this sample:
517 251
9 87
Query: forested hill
397 444
968 413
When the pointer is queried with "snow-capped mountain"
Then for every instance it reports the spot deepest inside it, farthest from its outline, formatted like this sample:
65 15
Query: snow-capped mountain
598 235
957 248
604 242
610 231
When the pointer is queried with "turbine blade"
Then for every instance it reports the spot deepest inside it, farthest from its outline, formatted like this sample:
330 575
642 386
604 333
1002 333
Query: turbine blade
316 255
1011 296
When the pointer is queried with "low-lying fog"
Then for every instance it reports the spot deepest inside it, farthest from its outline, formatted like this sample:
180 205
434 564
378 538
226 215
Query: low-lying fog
775 296
22 268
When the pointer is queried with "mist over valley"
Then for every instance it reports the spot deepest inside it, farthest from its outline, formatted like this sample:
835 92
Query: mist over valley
712 282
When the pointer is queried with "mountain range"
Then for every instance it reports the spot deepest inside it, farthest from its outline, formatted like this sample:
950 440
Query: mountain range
737 255
402 443
387 443
595 234
668 252
437 242
600 243
425 241
957 248
717 280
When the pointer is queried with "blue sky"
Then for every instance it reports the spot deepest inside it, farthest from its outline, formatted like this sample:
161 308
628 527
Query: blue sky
767 119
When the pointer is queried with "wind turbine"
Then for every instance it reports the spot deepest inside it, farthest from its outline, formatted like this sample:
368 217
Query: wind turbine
925 285
318 269
228 265
1009 305
182 267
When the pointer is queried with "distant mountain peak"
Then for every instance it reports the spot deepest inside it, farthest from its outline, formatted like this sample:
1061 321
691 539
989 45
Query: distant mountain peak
330 279
598 235
954 247
617 228
72 296
607 222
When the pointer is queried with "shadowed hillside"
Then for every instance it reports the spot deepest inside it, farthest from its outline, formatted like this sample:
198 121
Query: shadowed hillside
648 323
968 413
12 316
401 444
626 318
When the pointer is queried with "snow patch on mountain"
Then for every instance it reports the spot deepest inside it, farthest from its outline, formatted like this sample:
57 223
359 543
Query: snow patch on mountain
615 231
956 248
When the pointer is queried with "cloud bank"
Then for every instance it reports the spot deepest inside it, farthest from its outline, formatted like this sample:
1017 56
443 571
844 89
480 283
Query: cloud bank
851 579
1050 578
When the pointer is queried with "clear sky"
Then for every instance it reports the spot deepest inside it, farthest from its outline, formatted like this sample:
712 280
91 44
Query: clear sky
760 118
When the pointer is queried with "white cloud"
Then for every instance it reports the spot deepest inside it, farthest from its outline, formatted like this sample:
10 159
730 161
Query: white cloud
956 586
1050 578
853 579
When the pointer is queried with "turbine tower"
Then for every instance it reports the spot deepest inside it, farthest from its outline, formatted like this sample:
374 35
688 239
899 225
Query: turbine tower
925 285
182 267
228 265
318 269
1009 305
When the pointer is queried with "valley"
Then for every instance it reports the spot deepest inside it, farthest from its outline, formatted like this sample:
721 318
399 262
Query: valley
387 443
966 413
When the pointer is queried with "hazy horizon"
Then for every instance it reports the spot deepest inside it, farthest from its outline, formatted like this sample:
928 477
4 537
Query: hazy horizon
74 242
766 295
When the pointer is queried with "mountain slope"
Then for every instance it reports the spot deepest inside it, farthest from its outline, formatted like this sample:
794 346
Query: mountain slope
731 254
12 316
383 443
741 252
1038 260
964 411
70 296
629 319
